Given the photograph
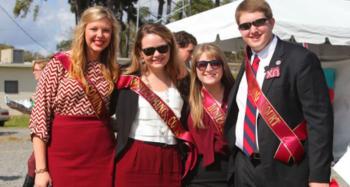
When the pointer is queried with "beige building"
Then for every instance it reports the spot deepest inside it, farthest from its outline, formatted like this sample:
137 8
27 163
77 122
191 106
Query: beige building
12 56
16 82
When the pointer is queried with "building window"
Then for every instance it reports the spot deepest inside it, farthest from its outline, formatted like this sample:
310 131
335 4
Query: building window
11 87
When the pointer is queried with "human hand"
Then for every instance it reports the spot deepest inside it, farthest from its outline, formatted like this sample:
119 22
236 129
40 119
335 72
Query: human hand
43 180
316 184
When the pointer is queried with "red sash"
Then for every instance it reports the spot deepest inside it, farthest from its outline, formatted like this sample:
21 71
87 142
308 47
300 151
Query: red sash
290 146
165 112
213 109
93 95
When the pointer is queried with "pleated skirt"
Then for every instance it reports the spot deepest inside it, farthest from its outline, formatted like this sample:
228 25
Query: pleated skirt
149 165
81 152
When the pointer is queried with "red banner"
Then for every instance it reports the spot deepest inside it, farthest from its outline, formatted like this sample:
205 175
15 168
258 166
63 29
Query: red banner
214 110
290 146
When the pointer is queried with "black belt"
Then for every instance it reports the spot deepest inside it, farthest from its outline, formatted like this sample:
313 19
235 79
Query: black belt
255 159
255 156
159 144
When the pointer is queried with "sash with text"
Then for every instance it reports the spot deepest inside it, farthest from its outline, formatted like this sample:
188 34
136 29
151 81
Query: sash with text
290 146
213 109
93 95
165 112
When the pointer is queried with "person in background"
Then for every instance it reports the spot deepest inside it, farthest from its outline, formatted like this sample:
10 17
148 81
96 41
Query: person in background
185 43
72 140
149 112
25 106
211 82
280 120
38 66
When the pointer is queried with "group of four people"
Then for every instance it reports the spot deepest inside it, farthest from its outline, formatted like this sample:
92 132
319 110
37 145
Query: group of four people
271 127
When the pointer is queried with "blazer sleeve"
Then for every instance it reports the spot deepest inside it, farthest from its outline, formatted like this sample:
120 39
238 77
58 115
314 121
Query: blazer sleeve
317 110
112 109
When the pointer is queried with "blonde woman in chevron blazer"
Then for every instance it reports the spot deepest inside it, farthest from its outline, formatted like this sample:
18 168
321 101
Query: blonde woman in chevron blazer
72 141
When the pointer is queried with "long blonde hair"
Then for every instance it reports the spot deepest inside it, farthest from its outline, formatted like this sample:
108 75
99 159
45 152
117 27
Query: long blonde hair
110 68
195 98
172 68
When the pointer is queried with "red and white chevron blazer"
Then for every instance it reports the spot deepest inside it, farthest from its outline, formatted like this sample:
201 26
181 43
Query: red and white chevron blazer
56 93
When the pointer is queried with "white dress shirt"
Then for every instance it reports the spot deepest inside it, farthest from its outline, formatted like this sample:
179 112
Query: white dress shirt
265 57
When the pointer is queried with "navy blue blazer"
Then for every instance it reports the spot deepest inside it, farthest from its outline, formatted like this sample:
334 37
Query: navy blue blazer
300 92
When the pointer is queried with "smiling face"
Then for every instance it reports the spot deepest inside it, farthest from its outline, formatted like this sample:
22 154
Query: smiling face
97 37
159 59
256 37
210 76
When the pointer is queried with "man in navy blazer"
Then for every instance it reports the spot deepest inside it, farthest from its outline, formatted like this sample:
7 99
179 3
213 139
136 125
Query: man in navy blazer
291 79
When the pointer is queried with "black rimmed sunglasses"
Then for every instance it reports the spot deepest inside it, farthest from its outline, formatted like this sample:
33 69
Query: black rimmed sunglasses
151 50
256 23
214 64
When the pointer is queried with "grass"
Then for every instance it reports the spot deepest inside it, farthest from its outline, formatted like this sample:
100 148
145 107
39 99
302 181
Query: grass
20 121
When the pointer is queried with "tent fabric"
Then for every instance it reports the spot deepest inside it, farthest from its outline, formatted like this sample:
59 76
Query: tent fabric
309 21
315 22
341 106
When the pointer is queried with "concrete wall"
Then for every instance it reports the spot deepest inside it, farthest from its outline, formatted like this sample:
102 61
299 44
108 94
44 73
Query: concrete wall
26 83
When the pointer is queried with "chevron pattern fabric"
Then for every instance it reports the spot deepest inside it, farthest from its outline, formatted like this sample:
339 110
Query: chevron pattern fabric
249 136
57 93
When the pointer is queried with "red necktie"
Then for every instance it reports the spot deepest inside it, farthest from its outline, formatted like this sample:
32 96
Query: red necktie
249 137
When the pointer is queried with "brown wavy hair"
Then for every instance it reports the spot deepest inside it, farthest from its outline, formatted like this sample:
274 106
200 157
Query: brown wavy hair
110 68
253 6
172 68
195 98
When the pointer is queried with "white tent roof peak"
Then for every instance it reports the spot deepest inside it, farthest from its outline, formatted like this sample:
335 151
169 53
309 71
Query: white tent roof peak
310 21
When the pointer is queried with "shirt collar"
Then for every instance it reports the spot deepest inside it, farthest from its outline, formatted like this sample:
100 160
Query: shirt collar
268 50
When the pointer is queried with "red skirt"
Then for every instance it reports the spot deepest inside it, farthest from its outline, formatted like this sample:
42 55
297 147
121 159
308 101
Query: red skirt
81 152
148 165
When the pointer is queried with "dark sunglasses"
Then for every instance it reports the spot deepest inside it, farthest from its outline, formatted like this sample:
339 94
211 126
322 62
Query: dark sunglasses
151 50
214 64
256 23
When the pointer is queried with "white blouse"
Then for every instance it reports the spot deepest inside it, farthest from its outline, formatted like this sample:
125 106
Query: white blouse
148 126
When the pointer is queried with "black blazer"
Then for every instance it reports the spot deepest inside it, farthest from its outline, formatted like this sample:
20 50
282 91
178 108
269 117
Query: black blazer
124 104
300 92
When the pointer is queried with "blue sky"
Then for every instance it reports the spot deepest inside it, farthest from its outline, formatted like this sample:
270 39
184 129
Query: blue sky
54 24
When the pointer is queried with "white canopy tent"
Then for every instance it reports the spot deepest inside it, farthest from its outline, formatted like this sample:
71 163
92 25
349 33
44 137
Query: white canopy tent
310 21
323 24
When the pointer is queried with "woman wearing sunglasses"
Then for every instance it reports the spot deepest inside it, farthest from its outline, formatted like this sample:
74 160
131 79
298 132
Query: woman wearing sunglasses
148 111
211 81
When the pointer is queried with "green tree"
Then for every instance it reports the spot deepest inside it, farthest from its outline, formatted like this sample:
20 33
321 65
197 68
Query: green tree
22 7
119 8
160 9
29 56
193 7
5 46
64 45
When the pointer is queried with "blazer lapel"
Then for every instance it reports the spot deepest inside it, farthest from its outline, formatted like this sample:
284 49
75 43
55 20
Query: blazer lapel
277 55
